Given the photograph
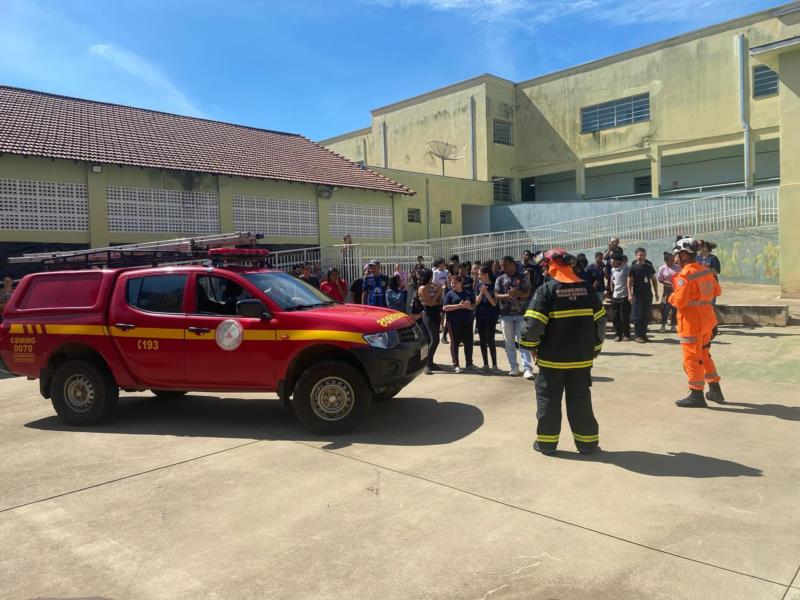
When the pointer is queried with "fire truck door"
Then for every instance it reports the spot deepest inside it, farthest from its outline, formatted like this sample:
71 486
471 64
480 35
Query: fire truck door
223 349
147 323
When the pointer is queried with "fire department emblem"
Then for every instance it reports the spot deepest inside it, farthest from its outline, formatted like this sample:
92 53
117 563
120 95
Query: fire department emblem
230 335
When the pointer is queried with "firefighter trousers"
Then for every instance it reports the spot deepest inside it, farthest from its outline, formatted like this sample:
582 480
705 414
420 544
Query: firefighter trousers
575 384
697 362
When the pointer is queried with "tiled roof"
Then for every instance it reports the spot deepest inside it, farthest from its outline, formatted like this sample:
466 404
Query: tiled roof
39 124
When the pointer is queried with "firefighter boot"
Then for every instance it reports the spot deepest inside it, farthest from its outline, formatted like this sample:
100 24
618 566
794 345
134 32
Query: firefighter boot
714 393
693 400
545 451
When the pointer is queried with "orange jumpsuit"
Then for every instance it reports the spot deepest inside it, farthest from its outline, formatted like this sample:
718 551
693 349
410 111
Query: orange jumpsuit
695 288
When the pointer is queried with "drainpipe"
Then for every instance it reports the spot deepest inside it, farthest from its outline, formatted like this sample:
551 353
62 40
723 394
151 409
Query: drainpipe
472 139
748 176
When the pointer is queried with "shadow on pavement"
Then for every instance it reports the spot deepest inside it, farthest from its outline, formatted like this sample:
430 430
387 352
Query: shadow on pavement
673 464
779 411
726 332
399 422
598 379
625 354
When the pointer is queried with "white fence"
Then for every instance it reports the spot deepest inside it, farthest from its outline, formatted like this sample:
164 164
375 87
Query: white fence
699 216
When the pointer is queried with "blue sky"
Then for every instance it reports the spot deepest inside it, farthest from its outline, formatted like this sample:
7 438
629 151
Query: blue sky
316 67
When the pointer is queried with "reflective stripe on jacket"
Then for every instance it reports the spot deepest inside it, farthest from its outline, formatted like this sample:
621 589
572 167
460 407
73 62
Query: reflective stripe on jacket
565 324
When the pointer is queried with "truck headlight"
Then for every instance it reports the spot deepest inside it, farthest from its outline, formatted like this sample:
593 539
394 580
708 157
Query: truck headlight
385 339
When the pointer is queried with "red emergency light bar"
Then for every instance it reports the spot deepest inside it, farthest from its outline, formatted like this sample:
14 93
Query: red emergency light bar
239 257
227 253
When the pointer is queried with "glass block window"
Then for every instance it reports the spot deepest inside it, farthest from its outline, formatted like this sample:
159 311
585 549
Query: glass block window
414 215
361 220
503 132
43 205
501 189
616 113
150 210
276 216
765 81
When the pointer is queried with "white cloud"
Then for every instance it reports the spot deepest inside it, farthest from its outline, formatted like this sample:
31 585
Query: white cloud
536 12
137 67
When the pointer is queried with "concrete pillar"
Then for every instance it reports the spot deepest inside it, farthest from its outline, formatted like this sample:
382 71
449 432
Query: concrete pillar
385 145
580 180
98 205
789 192
655 171
225 195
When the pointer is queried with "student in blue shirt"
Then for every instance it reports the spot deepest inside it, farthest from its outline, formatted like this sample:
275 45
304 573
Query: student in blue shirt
459 303
375 286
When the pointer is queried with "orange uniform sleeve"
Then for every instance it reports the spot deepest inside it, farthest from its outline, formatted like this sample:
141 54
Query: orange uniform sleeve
680 297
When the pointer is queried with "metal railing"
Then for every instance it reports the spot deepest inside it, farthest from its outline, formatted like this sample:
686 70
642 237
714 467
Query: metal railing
697 217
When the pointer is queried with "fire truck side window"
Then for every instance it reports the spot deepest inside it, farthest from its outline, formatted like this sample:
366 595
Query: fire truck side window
158 293
218 296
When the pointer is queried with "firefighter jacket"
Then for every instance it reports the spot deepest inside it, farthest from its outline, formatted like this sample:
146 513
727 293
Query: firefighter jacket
565 324
695 289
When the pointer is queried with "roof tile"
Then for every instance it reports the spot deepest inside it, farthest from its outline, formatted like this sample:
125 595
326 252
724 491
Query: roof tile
38 124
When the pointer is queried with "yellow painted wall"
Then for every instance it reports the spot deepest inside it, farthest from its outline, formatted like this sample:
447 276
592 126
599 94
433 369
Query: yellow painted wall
434 194
356 146
694 101
501 104
39 169
444 117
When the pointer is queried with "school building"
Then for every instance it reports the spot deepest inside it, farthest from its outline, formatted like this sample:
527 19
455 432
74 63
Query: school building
714 109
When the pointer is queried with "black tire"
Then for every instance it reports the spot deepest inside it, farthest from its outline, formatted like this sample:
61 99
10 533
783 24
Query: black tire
84 392
169 394
350 396
387 393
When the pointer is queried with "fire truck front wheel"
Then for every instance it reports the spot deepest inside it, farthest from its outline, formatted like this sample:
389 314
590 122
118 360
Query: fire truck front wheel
331 398
83 392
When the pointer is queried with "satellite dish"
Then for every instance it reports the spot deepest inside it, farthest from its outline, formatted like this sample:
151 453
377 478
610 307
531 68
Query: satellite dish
443 151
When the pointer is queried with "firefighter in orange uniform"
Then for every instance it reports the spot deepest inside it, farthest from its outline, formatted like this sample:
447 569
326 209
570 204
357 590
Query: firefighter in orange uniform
695 289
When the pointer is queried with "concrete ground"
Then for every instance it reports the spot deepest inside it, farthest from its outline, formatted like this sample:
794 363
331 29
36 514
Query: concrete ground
438 495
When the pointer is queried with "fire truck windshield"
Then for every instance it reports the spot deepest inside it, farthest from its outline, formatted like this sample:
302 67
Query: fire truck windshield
288 292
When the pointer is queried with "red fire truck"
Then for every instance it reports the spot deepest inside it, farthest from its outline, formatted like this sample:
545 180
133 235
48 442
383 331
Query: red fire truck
229 324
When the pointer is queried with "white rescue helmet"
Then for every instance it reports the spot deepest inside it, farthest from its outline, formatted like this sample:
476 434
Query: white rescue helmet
687 244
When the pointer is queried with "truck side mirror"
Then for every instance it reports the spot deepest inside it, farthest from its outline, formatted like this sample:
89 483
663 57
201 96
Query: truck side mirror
252 309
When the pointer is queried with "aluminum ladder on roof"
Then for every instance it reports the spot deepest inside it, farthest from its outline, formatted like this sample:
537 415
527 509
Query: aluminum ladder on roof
175 248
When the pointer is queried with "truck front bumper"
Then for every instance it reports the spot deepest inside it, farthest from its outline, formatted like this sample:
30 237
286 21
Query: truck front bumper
395 367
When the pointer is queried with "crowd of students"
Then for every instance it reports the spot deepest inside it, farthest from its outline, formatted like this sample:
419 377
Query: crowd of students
457 300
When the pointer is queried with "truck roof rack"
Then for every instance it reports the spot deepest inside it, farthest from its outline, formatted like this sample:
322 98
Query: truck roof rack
185 250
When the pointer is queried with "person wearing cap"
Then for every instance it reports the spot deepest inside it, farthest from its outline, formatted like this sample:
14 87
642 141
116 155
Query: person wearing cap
375 285
564 330
696 287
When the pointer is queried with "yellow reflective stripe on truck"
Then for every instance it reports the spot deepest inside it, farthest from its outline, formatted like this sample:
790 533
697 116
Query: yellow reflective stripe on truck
297 335
76 329
172 333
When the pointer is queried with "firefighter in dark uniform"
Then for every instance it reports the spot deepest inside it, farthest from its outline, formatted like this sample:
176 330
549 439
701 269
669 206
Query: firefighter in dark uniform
564 329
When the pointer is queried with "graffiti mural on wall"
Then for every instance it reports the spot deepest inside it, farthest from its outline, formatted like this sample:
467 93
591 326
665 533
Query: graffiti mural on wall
746 255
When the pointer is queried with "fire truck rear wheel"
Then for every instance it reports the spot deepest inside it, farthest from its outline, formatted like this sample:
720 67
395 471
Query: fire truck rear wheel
331 398
84 392
387 393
